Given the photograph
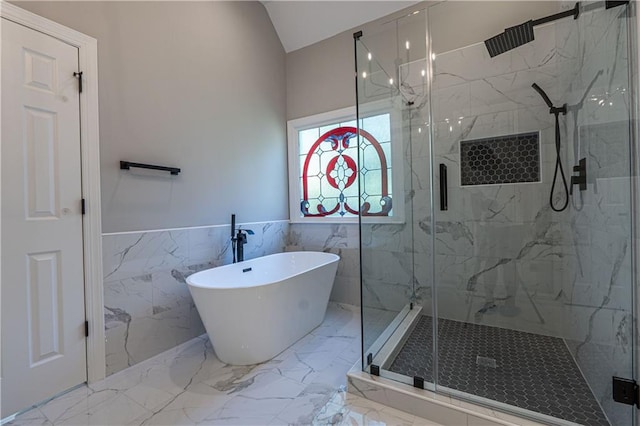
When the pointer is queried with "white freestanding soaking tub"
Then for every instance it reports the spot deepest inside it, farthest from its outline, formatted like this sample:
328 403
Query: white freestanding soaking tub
255 309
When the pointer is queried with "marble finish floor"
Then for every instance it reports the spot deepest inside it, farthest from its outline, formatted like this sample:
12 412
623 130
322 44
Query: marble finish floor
188 385
529 371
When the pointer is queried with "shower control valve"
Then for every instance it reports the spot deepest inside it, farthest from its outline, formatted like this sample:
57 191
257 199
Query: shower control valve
581 179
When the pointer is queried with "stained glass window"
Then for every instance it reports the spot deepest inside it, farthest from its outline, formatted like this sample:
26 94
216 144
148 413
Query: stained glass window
328 164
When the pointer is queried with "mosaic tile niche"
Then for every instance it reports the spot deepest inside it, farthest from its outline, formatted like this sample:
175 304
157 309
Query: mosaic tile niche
501 159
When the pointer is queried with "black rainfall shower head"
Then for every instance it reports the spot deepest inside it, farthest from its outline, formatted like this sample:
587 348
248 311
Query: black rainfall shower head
523 33
510 39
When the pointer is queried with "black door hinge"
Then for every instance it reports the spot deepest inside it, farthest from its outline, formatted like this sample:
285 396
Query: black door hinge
78 75
86 329
369 358
374 370
625 391
83 206
418 382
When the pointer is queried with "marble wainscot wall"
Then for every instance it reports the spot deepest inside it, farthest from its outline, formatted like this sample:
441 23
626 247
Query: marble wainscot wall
342 240
148 307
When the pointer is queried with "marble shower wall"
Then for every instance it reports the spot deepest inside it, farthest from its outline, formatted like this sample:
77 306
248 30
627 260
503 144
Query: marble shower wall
597 274
497 246
503 258
148 307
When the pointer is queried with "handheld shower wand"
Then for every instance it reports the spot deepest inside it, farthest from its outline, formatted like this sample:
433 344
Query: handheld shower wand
543 94
556 111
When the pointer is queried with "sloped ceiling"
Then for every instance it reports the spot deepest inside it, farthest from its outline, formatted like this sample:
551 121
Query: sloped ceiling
302 23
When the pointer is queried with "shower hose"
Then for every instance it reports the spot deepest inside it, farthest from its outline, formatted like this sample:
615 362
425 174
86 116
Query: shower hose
555 173
556 111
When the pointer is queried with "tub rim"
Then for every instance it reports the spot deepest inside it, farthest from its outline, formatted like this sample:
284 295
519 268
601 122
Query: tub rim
331 258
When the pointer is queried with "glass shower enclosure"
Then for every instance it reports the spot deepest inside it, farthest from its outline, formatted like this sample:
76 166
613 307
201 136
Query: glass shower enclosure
503 274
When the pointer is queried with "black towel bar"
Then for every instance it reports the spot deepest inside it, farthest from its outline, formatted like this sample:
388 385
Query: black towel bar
126 165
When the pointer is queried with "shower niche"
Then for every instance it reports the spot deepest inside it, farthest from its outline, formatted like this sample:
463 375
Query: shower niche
499 160
501 299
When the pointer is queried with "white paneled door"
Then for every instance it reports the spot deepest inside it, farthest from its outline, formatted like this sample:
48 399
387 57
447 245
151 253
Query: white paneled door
43 310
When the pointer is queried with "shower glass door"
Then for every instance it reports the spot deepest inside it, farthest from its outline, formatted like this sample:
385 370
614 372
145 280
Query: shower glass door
395 196
534 305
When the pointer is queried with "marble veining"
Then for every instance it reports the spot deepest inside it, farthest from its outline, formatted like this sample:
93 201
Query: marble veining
188 385
502 257
148 307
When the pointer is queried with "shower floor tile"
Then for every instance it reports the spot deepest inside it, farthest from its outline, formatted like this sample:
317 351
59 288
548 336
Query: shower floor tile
526 370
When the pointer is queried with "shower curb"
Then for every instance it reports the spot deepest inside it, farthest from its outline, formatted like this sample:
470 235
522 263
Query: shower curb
439 408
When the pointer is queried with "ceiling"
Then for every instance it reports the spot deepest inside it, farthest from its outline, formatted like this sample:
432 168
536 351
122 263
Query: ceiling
302 23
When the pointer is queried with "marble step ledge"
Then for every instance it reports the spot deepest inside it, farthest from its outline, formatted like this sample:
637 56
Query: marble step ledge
441 409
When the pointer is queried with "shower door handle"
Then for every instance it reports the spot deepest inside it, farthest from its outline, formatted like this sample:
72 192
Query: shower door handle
443 188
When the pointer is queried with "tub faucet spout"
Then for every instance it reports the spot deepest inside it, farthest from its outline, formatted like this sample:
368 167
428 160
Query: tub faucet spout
241 240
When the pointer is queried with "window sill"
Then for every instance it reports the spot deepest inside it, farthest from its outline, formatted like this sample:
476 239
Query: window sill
349 221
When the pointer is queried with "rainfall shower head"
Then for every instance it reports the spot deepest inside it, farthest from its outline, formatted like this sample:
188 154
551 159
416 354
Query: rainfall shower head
522 34
510 39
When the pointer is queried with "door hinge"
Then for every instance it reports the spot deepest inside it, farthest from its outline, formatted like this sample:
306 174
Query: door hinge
78 75
374 370
83 206
86 329
625 391
418 382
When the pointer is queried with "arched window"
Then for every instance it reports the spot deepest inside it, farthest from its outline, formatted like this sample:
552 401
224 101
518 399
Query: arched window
334 188
328 171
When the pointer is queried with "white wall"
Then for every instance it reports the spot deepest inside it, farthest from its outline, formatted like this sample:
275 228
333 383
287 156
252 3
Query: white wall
320 76
197 85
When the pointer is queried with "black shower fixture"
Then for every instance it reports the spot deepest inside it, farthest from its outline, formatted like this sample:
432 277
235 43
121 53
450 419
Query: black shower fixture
581 168
556 111
521 34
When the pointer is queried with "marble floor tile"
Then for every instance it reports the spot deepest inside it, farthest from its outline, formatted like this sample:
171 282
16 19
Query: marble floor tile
188 385
348 409
33 417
